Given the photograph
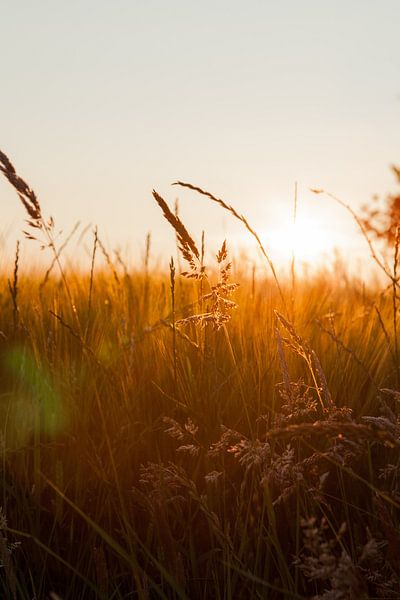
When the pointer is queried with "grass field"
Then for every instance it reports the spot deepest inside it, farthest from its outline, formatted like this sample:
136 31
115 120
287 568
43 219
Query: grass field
212 435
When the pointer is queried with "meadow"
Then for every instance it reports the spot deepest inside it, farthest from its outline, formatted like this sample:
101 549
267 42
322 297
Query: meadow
217 434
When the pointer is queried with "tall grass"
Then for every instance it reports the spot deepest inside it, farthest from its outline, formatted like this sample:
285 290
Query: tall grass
169 436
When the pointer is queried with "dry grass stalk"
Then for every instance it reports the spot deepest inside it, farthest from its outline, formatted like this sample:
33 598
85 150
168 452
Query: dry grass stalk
363 230
25 193
147 254
218 313
178 253
172 288
14 289
243 219
67 326
301 347
187 244
296 343
146 290
95 240
283 364
394 300
293 263
122 263
36 220
331 428
58 254
180 334
108 260
386 334
202 270
328 402
218 303
348 350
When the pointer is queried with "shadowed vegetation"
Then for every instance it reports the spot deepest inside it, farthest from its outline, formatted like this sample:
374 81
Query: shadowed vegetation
210 435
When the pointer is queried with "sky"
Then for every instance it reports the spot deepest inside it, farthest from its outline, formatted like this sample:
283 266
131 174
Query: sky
103 101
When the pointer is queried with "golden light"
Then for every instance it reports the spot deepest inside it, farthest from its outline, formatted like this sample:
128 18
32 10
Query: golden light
307 239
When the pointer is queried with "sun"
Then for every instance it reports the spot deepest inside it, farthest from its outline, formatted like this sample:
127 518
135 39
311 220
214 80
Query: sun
306 239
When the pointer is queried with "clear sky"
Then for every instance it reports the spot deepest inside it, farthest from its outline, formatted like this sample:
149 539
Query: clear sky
102 101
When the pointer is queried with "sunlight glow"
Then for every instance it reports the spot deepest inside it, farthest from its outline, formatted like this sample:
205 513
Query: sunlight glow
307 239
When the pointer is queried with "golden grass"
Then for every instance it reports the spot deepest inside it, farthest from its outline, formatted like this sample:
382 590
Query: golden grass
184 437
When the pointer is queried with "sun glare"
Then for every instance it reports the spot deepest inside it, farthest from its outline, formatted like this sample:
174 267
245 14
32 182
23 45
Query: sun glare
306 239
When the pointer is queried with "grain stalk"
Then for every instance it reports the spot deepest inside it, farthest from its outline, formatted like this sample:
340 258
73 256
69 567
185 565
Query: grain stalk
301 347
59 252
253 281
292 266
146 277
283 364
178 254
95 240
248 227
36 219
13 288
108 260
386 334
394 301
172 288
202 269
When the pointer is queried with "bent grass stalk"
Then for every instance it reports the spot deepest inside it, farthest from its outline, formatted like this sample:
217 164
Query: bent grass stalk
36 219
246 224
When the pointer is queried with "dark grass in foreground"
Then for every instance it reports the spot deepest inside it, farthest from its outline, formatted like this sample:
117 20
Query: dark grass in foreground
180 437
